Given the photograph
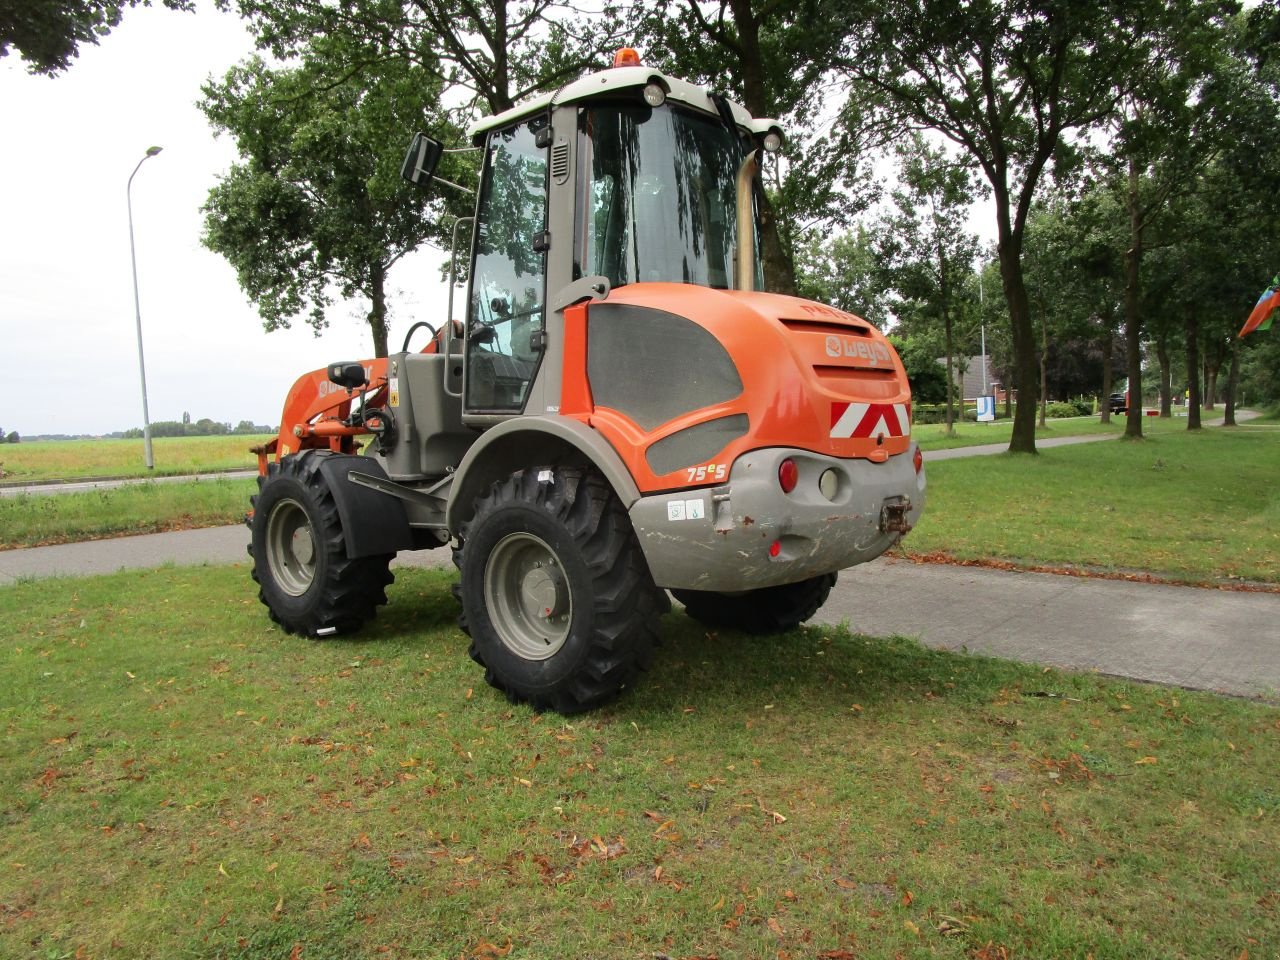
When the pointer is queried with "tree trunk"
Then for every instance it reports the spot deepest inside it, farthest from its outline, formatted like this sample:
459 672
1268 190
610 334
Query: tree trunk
1193 371
1212 364
1025 381
378 313
1132 311
1166 376
951 377
1233 381
779 272
1044 369
1108 359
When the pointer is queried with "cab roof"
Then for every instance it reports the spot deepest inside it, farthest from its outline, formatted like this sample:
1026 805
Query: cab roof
605 82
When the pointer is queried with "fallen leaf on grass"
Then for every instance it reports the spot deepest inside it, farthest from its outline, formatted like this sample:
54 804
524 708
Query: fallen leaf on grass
951 927
772 814
991 951
485 949
596 847
1145 760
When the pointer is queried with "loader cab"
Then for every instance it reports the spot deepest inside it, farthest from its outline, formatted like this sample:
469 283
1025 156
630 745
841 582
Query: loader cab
623 177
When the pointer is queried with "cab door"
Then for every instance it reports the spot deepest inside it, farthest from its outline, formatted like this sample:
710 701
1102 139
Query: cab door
506 310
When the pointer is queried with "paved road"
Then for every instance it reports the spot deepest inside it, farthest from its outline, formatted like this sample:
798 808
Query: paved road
1205 639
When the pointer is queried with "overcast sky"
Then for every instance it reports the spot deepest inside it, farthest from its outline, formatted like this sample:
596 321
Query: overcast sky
67 330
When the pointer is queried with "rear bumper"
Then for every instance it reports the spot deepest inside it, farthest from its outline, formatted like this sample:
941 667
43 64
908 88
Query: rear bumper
720 538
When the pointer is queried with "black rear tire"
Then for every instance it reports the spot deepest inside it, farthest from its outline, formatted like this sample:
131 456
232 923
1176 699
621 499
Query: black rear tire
764 611
300 562
556 595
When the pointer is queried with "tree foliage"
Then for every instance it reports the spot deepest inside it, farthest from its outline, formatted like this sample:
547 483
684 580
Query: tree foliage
492 53
1011 82
316 206
926 249
48 33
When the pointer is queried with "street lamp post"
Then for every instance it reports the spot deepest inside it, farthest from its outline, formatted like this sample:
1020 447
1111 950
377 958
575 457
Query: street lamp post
137 310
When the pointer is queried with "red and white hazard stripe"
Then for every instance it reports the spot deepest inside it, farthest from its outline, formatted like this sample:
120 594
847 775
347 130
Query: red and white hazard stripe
870 420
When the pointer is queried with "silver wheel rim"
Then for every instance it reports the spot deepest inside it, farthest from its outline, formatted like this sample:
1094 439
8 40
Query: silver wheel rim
291 547
527 595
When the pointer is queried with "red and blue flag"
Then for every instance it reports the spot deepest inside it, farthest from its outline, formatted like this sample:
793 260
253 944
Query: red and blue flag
1260 316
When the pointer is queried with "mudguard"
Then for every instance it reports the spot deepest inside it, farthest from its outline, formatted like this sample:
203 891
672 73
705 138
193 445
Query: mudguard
372 522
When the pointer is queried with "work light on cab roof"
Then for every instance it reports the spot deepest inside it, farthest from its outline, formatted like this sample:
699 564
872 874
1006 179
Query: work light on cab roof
617 412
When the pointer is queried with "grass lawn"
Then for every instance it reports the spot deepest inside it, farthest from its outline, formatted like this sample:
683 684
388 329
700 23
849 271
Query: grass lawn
31 519
181 780
76 459
1199 507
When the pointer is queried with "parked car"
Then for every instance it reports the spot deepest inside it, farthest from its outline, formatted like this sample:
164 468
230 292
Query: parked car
1117 404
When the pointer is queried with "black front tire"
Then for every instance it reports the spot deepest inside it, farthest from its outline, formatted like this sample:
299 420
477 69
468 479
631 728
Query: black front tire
556 595
308 583
764 611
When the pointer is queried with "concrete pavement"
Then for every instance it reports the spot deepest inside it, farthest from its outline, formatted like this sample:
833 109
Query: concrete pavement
1185 636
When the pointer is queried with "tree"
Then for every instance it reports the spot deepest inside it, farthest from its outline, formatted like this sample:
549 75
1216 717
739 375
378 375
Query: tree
924 246
927 377
495 53
12 437
317 203
842 270
48 33
1008 81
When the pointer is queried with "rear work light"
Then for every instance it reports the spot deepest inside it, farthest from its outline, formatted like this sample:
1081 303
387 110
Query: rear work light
788 475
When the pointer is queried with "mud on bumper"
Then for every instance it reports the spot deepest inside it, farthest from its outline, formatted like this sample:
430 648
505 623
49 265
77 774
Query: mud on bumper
723 538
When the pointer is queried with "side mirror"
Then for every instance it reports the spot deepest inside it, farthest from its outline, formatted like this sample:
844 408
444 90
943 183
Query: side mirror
349 375
421 160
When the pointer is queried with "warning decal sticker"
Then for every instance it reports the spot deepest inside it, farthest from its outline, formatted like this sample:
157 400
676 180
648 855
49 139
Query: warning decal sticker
870 419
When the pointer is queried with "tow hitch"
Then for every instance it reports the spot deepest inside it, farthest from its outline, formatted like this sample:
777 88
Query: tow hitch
893 515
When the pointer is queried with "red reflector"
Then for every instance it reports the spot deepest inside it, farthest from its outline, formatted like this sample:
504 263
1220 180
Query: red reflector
626 57
775 548
788 475
918 460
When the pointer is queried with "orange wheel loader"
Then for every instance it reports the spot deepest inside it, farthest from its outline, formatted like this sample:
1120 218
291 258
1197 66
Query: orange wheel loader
621 412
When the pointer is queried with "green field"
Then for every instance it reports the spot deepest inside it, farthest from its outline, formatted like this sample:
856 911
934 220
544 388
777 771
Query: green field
180 779
1199 507
33 519
41 460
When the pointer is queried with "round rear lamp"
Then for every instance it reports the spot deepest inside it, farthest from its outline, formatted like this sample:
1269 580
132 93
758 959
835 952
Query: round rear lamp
829 484
788 475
